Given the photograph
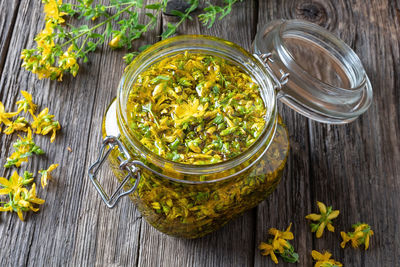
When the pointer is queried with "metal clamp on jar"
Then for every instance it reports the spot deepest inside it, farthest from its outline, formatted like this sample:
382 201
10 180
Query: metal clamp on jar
192 200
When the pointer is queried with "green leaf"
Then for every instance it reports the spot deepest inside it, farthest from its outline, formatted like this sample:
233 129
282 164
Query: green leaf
171 29
150 15
178 13
154 6
160 78
144 47
108 30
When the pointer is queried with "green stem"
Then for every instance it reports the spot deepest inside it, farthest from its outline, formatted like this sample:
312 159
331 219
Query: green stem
108 7
83 44
99 25
193 6
123 4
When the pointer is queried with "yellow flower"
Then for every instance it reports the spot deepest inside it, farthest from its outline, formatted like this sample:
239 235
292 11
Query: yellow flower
46 174
13 185
115 42
45 43
324 219
67 61
324 260
268 250
16 159
185 111
51 9
4 116
22 200
26 104
279 243
24 147
20 124
32 198
44 123
361 235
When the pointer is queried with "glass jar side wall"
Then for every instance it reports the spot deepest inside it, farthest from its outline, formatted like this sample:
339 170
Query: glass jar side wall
194 210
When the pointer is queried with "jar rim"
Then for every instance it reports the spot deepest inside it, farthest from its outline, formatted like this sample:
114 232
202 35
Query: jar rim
206 44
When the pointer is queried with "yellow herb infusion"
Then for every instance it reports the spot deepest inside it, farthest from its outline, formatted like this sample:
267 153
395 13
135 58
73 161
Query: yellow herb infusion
196 109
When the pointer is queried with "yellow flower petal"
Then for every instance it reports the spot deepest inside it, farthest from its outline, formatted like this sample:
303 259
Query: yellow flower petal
330 227
322 207
273 231
314 217
333 214
316 255
345 237
5 191
9 208
320 230
274 258
4 182
287 235
20 215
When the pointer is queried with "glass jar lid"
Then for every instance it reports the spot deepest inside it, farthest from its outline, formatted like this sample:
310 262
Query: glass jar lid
316 73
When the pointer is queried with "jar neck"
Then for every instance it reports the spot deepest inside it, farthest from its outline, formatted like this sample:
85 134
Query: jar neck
217 47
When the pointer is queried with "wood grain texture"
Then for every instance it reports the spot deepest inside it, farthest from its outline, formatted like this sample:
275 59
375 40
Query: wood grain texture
355 167
7 22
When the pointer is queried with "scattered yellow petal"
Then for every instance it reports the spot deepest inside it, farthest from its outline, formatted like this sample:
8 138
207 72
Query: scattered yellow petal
46 174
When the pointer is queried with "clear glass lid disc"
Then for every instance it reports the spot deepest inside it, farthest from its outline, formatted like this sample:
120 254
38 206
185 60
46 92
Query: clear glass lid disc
327 81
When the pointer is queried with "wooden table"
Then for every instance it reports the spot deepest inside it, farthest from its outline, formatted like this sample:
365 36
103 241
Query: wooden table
354 167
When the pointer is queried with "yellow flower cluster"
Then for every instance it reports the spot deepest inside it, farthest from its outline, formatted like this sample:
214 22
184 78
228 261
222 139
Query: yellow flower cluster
21 199
26 104
43 123
360 236
324 260
42 60
324 219
24 147
279 245
20 124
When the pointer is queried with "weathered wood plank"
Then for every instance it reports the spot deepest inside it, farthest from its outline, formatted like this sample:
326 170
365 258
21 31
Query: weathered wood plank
116 232
233 245
7 21
73 226
356 167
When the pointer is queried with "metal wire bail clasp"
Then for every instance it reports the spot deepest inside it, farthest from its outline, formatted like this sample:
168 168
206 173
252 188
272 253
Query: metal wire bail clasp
267 59
126 164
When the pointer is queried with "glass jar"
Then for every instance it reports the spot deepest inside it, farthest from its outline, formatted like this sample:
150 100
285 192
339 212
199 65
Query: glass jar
193 200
